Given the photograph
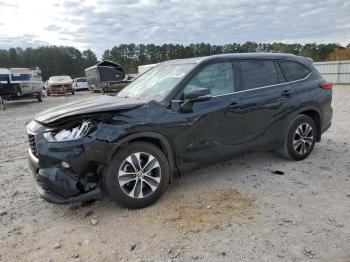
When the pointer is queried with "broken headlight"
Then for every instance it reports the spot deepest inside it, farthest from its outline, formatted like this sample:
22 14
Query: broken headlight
72 132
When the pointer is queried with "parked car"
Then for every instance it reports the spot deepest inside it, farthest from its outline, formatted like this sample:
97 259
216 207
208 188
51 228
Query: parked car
20 83
180 115
105 77
80 84
60 85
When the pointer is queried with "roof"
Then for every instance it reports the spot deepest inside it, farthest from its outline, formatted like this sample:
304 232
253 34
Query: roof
107 63
198 60
20 71
4 71
59 78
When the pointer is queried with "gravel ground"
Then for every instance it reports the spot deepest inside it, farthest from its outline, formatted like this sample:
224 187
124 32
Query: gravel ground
234 211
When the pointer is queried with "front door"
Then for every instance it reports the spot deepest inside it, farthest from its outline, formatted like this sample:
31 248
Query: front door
201 135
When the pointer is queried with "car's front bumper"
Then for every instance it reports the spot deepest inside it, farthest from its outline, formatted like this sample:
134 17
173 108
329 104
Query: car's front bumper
55 186
60 90
63 172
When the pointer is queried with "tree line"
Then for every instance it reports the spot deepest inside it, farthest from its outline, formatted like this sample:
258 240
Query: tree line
52 60
60 60
131 55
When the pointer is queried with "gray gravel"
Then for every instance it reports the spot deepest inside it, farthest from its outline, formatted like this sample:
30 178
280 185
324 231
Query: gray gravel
241 210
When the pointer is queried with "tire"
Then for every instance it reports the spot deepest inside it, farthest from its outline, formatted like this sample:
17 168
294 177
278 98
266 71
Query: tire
299 140
38 97
152 184
73 92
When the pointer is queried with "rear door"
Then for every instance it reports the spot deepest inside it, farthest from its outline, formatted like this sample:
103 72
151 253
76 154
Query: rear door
258 110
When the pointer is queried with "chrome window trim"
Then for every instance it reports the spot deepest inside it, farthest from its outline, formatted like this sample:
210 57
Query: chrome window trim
261 87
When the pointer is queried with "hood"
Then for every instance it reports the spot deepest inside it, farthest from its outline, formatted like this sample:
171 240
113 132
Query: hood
60 80
89 106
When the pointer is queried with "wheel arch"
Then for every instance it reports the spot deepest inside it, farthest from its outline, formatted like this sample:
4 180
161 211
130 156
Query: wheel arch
153 138
315 114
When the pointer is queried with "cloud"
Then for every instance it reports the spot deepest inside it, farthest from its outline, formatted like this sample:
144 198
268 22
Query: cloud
53 28
23 41
215 22
102 24
3 4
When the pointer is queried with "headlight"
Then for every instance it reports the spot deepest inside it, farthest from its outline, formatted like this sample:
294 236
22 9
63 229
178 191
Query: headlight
74 132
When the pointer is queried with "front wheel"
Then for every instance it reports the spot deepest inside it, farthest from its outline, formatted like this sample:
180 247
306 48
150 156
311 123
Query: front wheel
300 139
137 175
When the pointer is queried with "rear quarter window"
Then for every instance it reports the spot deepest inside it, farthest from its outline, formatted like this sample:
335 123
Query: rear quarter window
294 70
258 73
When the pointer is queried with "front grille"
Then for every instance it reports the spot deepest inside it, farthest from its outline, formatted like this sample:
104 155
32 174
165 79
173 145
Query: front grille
32 145
61 86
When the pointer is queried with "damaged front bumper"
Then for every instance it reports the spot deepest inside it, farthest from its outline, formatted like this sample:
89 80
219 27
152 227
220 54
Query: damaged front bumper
61 90
63 172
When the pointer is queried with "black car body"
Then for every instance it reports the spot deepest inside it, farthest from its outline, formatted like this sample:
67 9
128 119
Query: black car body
217 107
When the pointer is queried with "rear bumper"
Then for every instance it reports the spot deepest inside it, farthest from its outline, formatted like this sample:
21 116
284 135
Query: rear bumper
327 121
79 88
326 127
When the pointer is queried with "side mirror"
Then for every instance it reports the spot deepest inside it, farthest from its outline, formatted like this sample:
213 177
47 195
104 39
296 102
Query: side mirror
198 94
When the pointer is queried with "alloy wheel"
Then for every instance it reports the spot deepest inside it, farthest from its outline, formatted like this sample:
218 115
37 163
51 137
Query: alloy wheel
303 138
139 175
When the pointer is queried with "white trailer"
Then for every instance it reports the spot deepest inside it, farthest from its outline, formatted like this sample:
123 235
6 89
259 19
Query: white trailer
4 76
20 83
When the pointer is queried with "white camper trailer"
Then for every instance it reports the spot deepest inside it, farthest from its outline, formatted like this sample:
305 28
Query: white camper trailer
19 83
4 76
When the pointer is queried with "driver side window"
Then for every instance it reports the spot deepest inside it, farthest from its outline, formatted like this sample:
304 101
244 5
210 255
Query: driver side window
218 78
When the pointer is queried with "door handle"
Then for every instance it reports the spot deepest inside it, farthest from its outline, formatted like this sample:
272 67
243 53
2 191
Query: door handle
286 93
233 105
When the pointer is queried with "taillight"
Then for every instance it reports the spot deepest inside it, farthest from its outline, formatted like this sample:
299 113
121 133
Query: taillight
326 85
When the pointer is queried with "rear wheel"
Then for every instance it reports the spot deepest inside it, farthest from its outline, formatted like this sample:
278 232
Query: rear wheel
137 175
73 92
300 139
38 97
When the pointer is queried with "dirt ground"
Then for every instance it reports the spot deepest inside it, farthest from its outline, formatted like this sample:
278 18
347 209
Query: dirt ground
234 211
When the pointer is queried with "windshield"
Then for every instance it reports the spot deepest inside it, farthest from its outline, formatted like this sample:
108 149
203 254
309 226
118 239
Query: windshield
60 78
156 83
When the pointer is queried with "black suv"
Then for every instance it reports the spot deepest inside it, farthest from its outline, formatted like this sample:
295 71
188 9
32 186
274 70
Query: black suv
180 115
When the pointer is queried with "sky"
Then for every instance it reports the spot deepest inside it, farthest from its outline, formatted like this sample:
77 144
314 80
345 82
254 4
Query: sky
102 24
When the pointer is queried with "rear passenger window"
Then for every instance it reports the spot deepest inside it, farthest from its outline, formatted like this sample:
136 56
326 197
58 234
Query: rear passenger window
258 73
294 70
